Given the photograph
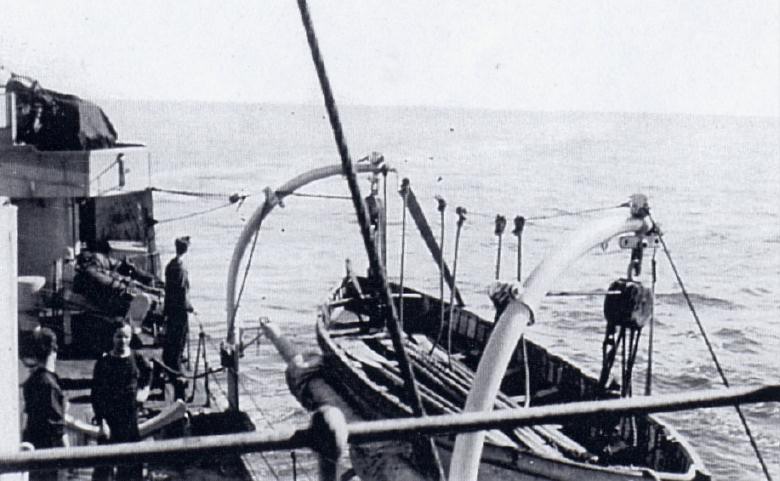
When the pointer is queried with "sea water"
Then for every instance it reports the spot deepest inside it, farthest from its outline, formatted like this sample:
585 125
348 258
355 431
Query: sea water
713 185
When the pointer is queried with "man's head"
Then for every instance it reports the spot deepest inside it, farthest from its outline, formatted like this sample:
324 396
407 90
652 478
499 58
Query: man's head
44 343
123 334
182 244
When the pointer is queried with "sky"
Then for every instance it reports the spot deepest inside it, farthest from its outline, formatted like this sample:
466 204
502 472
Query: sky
691 56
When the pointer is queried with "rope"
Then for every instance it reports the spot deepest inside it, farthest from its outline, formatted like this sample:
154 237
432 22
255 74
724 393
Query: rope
207 195
316 196
714 356
246 274
562 214
194 214
577 212
183 375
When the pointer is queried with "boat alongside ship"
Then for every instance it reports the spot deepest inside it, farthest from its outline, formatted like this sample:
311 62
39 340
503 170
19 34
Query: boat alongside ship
387 351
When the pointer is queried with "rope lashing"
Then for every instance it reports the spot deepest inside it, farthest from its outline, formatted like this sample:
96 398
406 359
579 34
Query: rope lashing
500 226
404 191
518 232
461 211
722 374
441 205
413 393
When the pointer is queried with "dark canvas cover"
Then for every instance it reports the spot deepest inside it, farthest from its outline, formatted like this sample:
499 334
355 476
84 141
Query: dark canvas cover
66 122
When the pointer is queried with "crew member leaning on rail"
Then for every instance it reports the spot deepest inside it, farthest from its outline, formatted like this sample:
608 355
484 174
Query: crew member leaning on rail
44 401
176 311
119 382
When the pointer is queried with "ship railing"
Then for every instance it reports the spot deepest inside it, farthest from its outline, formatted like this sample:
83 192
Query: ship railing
329 434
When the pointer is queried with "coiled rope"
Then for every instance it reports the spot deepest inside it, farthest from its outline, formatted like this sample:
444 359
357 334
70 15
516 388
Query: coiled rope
713 355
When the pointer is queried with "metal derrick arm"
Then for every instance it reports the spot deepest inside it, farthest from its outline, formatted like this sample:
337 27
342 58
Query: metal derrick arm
369 431
425 231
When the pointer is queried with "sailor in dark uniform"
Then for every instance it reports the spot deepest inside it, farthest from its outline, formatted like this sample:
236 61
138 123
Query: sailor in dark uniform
44 401
118 377
176 310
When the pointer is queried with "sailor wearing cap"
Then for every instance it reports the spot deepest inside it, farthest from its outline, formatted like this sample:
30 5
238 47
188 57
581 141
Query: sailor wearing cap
176 309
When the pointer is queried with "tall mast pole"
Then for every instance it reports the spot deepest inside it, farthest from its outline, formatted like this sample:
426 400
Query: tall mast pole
375 263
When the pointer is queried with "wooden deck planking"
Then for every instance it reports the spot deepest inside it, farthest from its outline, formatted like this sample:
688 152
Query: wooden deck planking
265 398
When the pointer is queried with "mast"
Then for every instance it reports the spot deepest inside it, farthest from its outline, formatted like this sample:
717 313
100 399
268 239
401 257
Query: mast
376 265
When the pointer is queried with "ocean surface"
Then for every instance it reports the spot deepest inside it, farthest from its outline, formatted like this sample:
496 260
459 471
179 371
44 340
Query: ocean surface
713 185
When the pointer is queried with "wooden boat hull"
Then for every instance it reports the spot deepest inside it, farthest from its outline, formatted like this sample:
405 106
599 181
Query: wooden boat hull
359 365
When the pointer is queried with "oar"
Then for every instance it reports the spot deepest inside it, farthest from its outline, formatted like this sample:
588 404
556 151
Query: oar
369 431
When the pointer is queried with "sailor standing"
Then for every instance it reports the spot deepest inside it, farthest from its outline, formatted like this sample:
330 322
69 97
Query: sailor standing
118 385
44 401
176 309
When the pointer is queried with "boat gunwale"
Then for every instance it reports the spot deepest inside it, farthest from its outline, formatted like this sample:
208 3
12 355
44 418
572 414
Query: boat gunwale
696 469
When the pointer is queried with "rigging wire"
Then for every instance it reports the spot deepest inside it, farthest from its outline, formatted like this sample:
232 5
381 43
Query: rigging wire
193 193
194 214
561 214
317 196
722 374
246 274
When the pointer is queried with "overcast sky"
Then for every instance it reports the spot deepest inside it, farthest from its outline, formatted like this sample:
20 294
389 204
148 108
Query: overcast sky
694 56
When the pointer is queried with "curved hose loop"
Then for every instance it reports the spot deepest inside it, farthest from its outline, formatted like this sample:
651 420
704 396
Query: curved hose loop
513 323
272 199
